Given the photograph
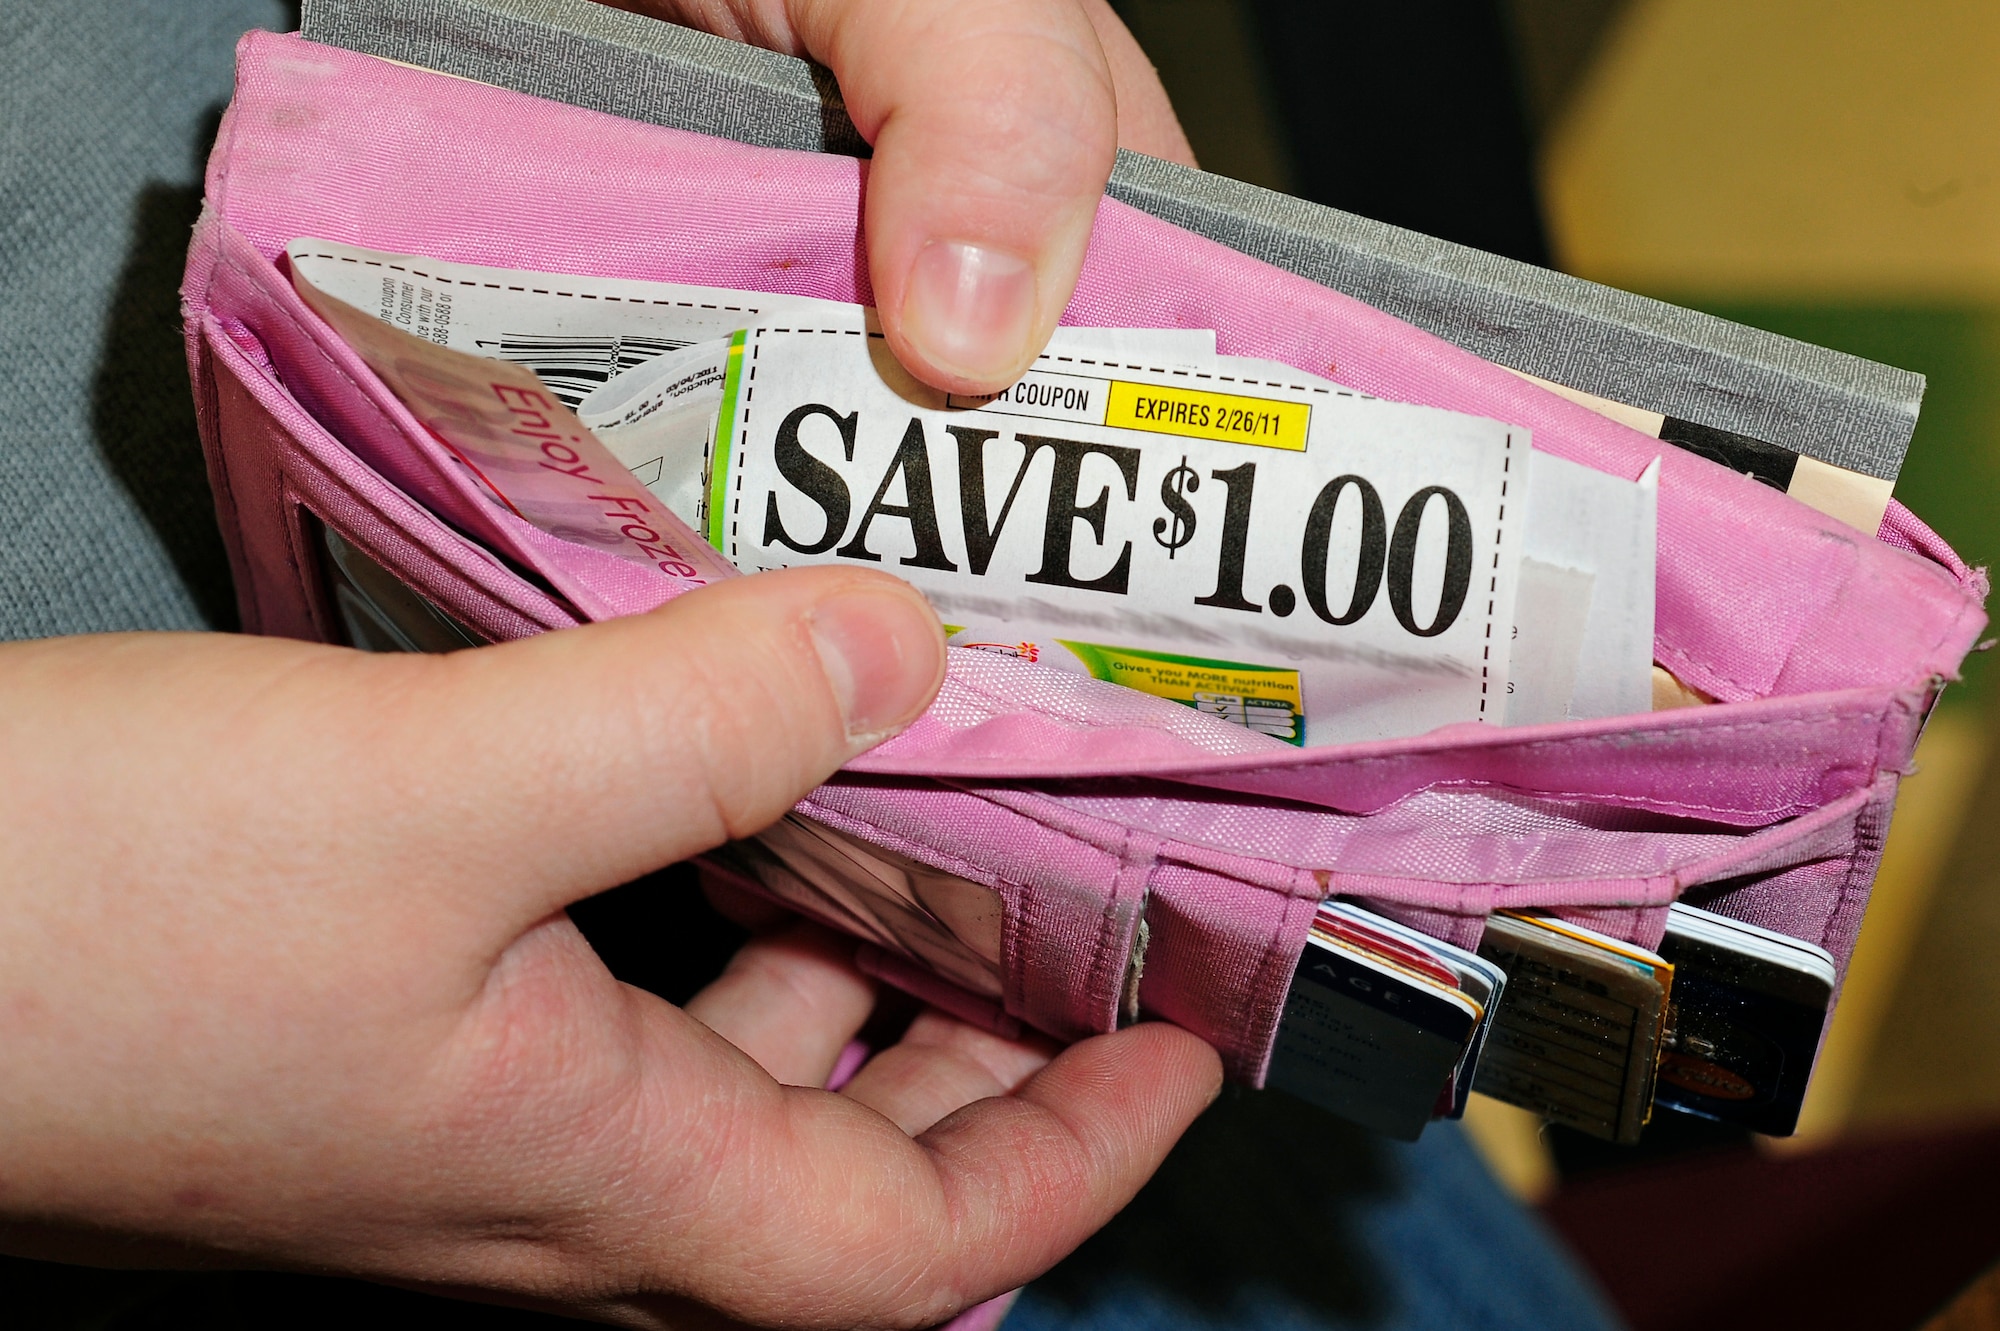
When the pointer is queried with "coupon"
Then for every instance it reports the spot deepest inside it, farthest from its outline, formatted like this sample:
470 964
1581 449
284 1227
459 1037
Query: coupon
576 332
1235 535
525 453
1314 564
580 332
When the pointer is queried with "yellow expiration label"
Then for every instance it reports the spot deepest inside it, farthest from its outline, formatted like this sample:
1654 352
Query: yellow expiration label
1199 414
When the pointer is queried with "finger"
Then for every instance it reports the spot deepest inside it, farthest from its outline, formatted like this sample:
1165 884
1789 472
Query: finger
995 124
623 746
880 1229
940 1066
943 1066
1146 120
479 792
791 1000
1031 1175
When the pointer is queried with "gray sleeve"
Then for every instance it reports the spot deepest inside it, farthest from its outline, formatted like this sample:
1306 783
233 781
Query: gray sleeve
1685 365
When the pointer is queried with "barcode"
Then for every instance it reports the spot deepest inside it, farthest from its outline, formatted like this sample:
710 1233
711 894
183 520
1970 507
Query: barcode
574 367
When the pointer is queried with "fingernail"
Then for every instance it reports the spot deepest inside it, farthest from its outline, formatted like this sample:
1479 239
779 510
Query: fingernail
883 653
971 309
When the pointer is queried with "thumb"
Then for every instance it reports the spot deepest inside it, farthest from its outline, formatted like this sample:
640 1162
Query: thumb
995 125
604 752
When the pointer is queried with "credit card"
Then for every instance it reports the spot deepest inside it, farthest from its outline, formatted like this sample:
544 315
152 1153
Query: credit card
1347 923
1577 1036
1484 985
1421 957
1368 1039
1473 975
1749 1005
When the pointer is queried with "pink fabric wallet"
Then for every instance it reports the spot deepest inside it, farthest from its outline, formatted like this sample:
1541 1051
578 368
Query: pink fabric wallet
1141 858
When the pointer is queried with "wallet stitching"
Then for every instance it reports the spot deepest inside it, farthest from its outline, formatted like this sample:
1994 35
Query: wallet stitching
1266 1031
292 503
211 437
1194 857
287 500
1167 849
1878 834
1681 655
1130 861
1619 739
1792 808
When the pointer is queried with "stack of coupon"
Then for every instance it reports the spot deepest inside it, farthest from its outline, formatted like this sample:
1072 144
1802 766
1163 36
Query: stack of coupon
1232 534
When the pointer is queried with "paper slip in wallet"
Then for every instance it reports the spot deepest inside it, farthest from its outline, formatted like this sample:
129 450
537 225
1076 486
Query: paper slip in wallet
1577 1037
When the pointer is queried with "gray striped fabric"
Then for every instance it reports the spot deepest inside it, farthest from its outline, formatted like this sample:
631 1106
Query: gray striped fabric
1825 404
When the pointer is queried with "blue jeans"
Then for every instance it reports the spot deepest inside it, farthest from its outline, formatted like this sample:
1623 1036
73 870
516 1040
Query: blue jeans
1270 1215
1274 1216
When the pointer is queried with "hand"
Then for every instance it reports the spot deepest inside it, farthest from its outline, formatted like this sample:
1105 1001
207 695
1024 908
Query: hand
994 124
286 979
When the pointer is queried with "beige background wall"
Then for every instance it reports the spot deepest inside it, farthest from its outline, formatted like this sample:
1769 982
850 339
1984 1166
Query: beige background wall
1845 148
